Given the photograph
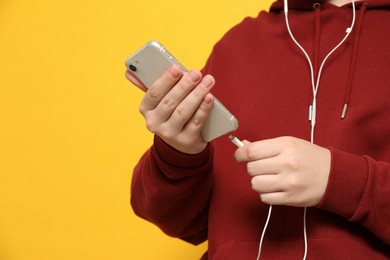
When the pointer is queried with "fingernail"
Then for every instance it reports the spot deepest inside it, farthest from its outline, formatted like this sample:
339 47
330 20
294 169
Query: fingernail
194 75
207 81
175 72
208 99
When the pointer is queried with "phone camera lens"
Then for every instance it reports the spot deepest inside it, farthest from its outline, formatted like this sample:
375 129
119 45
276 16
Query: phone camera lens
133 68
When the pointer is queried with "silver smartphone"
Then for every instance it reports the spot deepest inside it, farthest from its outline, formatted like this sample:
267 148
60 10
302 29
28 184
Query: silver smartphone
152 60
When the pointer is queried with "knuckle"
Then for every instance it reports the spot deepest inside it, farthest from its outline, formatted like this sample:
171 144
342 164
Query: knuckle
169 103
167 133
151 126
196 122
253 183
265 198
250 169
185 87
153 93
291 164
288 142
251 152
182 112
142 110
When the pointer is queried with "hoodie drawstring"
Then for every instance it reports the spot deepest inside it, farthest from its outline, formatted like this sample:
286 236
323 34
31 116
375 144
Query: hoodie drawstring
317 29
352 64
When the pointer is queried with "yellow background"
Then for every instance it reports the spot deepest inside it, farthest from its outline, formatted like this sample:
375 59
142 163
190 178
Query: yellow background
70 132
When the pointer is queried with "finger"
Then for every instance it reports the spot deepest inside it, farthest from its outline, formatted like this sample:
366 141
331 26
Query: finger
195 124
267 183
160 88
177 94
261 150
135 81
245 142
275 198
188 107
264 166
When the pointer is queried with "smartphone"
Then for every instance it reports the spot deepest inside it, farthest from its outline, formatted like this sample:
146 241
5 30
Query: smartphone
152 60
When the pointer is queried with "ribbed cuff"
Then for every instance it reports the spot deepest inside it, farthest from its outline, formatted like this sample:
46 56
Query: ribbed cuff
182 164
346 184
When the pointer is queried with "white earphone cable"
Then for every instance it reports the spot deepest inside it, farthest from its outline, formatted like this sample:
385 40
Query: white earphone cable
263 233
313 108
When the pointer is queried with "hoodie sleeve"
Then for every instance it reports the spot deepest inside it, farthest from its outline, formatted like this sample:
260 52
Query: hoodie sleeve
172 189
359 190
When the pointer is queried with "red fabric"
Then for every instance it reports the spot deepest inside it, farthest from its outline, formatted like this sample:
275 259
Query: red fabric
264 80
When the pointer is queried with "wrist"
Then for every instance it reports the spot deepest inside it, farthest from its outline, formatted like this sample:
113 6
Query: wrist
176 158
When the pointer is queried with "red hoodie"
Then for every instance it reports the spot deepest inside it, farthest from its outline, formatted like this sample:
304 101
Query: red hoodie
264 80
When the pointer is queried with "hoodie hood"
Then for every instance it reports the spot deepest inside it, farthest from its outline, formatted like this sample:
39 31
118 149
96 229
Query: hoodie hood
308 4
318 6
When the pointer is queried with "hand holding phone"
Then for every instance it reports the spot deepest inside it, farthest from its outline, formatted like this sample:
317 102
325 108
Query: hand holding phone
150 66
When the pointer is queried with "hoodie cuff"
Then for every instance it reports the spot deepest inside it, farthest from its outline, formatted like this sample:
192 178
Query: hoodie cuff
180 164
346 184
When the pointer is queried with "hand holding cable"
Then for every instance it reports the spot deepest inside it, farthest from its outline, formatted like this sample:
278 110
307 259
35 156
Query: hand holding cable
286 170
